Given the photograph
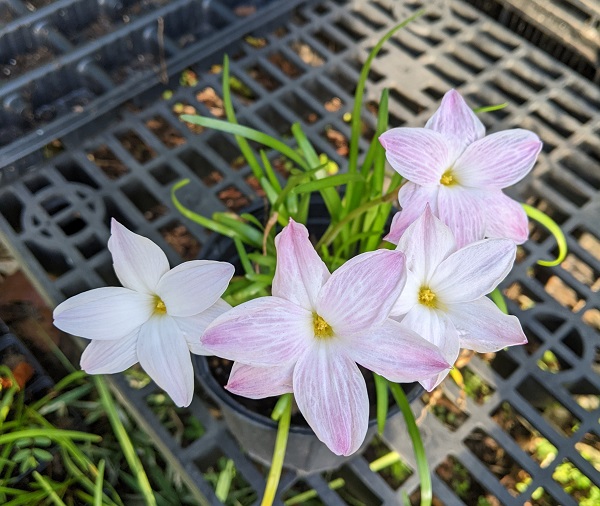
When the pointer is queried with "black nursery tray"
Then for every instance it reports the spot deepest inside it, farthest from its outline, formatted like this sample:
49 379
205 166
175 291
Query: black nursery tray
65 63
56 219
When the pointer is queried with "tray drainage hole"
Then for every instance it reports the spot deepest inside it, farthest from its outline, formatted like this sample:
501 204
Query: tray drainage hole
54 262
387 464
575 482
136 146
587 396
54 204
351 489
212 101
307 53
302 493
104 158
181 240
498 461
90 246
201 167
233 198
148 204
183 427
165 132
447 411
72 225
217 464
285 65
529 439
264 78
463 484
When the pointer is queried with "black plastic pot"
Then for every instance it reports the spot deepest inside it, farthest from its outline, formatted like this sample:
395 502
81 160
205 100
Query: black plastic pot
256 433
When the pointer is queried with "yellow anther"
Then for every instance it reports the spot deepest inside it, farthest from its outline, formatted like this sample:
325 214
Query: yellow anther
159 305
322 329
447 179
427 297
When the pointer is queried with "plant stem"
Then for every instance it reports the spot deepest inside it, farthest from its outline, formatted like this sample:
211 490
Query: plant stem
415 437
283 410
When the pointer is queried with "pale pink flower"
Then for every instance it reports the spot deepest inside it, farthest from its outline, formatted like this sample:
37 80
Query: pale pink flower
308 337
444 296
156 318
452 166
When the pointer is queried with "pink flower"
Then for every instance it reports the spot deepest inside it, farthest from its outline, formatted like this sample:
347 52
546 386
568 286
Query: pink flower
308 337
444 296
452 166
156 317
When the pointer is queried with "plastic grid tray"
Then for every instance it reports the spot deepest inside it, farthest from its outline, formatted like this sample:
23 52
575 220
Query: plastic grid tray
70 61
56 219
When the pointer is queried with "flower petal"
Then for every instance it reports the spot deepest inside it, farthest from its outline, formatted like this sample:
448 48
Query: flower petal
436 328
409 295
461 209
263 332
138 262
362 292
192 287
473 271
396 353
505 218
419 155
426 243
498 160
108 313
332 395
413 199
484 328
165 356
300 272
455 120
194 326
108 357
260 382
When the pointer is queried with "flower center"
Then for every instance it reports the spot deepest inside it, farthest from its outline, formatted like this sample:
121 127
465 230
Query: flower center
427 297
447 178
159 305
322 329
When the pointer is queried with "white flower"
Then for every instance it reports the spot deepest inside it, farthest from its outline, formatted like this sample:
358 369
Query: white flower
156 318
444 296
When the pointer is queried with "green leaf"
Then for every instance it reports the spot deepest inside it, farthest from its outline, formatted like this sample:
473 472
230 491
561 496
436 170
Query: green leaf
498 299
248 133
415 437
552 227
330 182
224 481
99 483
490 108
381 391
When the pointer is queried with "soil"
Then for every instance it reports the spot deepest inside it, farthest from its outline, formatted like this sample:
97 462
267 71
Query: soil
25 62
168 135
97 29
108 162
37 4
233 198
140 63
180 239
6 15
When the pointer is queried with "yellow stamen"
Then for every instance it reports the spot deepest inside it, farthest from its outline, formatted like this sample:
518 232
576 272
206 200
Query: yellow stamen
159 305
427 297
447 178
322 329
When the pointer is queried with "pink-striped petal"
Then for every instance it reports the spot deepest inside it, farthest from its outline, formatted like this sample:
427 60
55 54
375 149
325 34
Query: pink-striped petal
426 243
482 327
108 357
164 355
435 327
138 262
461 209
505 218
419 155
194 326
413 199
300 272
332 395
362 292
260 382
194 286
263 332
498 160
473 271
455 120
108 313
396 353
